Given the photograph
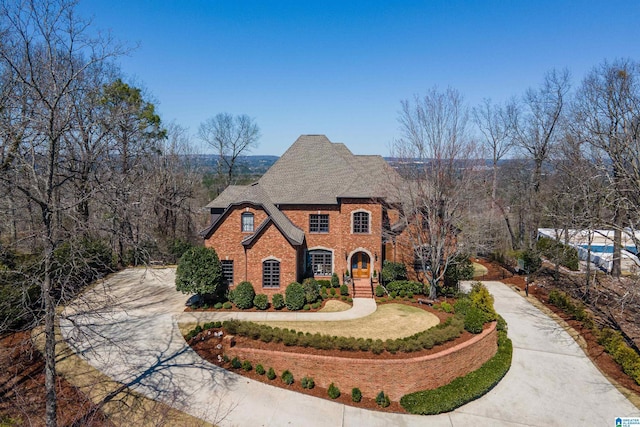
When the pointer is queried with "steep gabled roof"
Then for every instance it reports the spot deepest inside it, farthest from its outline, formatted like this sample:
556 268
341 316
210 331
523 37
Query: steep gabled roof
316 171
253 194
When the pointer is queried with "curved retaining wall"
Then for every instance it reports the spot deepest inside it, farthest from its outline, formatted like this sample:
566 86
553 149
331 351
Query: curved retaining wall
396 377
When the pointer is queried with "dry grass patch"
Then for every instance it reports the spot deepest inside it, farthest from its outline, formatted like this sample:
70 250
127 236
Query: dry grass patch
388 321
333 306
479 270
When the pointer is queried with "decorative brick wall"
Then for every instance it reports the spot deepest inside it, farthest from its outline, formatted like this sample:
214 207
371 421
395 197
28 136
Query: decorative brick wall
396 377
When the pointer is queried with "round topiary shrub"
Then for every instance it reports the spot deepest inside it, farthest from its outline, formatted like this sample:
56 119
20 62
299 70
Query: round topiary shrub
261 302
217 305
287 377
246 366
308 383
333 391
311 290
235 363
243 295
344 290
379 291
294 296
260 369
271 374
356 395
199 272
278 301
227 305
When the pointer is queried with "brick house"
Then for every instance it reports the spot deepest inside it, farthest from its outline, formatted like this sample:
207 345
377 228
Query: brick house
318 210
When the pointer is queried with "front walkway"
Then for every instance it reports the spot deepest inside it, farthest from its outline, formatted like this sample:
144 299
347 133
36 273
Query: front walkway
127 328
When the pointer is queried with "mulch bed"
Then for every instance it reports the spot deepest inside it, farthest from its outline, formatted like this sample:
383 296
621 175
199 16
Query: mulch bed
22 393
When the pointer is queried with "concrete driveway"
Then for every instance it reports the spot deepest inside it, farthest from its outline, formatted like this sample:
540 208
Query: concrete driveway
127 328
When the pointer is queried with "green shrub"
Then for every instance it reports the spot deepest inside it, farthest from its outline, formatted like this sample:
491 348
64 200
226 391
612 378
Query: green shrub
306 307
271 374
532 261
227 305
323 293
332 292
235 363
261 301
356 394
462 306
482 299
379 291
294 296
393 271
278 301
260 369
324 283
383 400
474 320
614 344
287 377
335 282
407 286
308 383
464 389
243 295
199 272
217 305
344 290
311 290
246 366
446 307
333 391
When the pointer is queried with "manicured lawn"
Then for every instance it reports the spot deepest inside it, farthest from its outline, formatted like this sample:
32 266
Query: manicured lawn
388 321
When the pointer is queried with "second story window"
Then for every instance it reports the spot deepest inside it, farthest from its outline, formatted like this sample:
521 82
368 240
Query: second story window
247 222
318 223
361 222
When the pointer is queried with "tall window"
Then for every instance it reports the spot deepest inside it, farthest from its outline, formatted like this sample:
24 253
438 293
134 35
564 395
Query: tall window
361 222
271 274
227 271
247 222
318 223
321 262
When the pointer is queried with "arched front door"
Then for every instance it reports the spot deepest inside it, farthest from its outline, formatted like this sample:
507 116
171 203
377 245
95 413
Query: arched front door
360 265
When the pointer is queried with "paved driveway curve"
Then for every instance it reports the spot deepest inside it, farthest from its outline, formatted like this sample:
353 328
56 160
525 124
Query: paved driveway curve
127 328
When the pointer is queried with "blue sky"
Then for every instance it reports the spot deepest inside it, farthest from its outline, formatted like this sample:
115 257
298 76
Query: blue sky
341 68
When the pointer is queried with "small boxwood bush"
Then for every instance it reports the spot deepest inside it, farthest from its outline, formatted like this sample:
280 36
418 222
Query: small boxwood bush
278 301
227 305
474 320
246 366
287 377
383 400
332 292
308 383
217 305
614 344
344 290
333 391
294 296
235 363
261 301
260 369
464 389
306 307
379 291
243 295
271 374
356 395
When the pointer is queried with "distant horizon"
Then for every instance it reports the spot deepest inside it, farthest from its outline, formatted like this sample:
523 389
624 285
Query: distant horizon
342 68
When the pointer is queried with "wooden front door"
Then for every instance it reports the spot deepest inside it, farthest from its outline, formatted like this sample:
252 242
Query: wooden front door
360 265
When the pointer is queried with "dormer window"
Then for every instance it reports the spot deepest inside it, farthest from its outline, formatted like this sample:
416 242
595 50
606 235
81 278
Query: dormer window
247 222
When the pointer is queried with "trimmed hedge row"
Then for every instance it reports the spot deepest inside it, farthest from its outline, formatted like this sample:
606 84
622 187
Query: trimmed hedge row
407 286
439 334
464 389
577 310
625 356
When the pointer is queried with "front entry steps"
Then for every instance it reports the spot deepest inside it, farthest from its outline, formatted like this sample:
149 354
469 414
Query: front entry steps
362 288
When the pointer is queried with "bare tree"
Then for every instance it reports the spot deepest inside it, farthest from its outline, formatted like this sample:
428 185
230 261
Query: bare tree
230 136
607 115
435 157
537 132
45 54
